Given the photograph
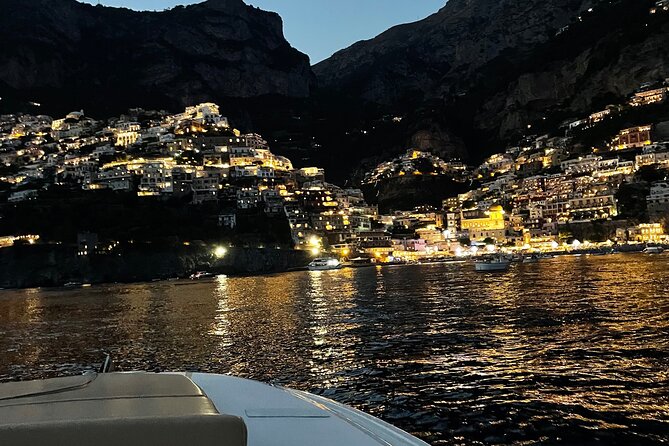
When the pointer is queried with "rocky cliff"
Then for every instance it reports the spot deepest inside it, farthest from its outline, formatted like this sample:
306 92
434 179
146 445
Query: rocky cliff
483 70
69 55
601 60
431 57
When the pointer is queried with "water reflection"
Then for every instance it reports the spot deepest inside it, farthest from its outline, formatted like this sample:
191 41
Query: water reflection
573 350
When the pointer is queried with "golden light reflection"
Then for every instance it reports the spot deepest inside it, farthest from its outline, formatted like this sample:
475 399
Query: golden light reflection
221 325
581 334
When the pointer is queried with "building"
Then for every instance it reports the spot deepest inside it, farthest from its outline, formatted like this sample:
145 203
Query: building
450 203
227 220
595 207
248 198
599 116
87 243
127 134
652 158
649 97
115 178
156 179
205 114
658 201
497 164
481 225
308 174
205 187
643 233
633 137
581 165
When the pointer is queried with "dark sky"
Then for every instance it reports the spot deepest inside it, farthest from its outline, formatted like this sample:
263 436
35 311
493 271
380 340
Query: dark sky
321 27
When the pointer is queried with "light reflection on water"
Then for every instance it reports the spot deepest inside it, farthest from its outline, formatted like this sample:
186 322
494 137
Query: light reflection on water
573 350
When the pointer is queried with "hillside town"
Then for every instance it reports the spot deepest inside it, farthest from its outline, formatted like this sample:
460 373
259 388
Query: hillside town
542 193
538 195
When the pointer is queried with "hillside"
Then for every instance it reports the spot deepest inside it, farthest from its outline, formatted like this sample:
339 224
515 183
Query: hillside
471 78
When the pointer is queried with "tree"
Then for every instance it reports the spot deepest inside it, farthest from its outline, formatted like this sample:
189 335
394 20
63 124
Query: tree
651 174
631 200
489 241
465 241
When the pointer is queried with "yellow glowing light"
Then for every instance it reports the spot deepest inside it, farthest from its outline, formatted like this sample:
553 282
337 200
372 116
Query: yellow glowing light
220 251
345 251
315 251
314 241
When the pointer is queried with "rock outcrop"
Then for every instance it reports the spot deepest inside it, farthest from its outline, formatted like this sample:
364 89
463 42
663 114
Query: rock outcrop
69 55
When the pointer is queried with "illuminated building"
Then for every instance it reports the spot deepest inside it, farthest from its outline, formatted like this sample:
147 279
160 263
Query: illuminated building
599 116
649 97
632 137
644 233
205 187
596 207
485 224
651 158
156 179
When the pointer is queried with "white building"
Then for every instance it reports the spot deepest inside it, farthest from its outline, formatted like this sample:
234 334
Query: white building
156 179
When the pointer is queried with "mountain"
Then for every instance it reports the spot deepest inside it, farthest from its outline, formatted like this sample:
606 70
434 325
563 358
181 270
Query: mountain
69 55
464 82
431 57
482 71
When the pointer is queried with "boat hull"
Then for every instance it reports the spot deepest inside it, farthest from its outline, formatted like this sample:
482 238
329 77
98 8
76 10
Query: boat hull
285 417
323 268
490 267
133 406
653 250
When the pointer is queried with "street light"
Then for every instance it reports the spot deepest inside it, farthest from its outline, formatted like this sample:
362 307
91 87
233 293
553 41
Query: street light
220 251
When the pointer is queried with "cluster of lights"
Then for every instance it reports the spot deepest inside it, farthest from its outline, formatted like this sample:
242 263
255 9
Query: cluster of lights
315 245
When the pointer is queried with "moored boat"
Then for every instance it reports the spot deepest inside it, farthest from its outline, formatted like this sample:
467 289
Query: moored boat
360 262
201 275
171 409
324 264
492 264
73 285
653 250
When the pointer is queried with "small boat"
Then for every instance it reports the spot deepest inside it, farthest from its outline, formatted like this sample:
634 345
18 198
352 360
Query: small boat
73 284
653 250
530 259
324 264
494 264
360 262
201 275
172 409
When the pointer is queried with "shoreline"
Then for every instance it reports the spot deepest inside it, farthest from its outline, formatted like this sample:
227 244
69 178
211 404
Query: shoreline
53 266
185 280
